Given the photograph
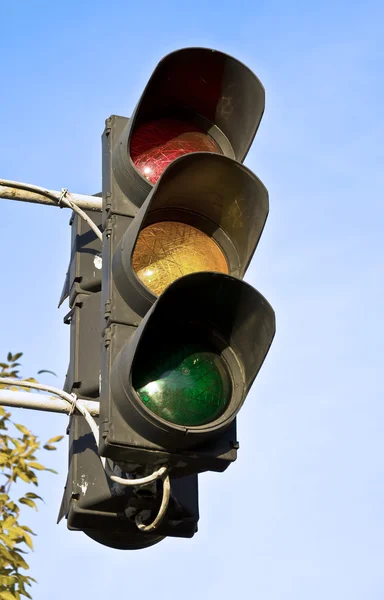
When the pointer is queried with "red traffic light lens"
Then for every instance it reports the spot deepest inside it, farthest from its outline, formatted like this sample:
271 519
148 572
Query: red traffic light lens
155 144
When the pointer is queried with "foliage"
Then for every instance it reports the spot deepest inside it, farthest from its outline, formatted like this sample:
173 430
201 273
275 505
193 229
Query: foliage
17 462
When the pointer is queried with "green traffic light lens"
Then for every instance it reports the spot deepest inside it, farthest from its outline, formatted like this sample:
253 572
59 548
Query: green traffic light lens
187 385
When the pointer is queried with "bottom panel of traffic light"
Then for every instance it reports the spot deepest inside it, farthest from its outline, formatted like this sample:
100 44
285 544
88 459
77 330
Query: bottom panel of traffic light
106 511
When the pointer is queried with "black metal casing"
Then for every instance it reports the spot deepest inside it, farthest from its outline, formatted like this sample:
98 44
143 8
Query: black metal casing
105 510
212 89
117 324
92 503
212 192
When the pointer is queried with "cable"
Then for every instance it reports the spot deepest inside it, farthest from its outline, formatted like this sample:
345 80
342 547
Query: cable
71 399
60 199
80 212
163 508
137 482
161 473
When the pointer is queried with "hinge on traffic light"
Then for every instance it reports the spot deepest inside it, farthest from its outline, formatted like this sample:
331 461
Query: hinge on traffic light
107 205
107 336
108 227
107 310
108 126
68 317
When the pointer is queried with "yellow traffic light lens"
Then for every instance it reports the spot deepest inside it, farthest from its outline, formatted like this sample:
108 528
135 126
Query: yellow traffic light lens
168 250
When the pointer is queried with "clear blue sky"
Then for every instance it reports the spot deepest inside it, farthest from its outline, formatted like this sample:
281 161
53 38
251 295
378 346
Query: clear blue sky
300 515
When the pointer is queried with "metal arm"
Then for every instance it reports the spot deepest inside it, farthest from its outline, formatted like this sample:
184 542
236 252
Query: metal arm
43 402
25 192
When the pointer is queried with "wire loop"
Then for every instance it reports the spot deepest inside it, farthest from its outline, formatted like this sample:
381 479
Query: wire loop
162 510
72 408
64 192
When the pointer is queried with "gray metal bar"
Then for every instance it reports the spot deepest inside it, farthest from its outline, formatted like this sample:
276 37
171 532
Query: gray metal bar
43 402
8 192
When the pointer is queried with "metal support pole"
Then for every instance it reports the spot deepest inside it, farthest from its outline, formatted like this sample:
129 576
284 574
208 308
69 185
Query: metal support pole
25 192
43 402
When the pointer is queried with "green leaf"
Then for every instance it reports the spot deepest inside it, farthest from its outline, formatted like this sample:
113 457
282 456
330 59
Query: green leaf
9 522
20 549
28 540
37 466
46 371
18 461
12 507
7 580
27 529
32 477
55 439
6 540
28 502
23 429
7 596
33 495
48 447
23 476
19 560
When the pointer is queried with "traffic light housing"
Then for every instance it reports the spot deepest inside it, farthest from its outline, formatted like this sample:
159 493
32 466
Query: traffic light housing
182 335
180 228
197 99
92 502
106 511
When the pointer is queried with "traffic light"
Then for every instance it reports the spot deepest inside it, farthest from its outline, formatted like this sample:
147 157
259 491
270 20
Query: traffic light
183 336
92 502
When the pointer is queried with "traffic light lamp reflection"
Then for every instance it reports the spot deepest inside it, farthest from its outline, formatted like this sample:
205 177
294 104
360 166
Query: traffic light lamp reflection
155 144
168 250
185 384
